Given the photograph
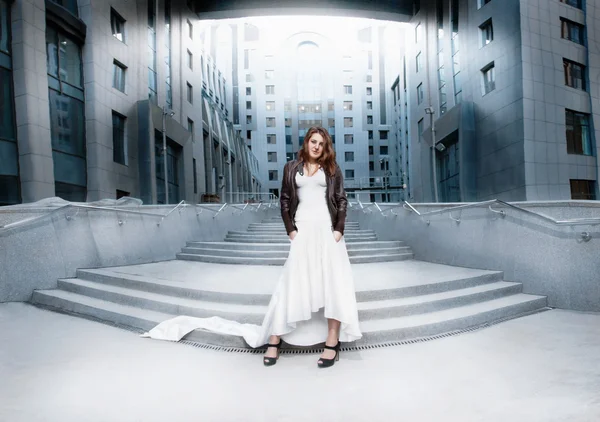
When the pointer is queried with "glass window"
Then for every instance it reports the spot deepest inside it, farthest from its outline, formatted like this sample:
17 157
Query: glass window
583 189
383 134
248 120
271 138
270 89
70 5
575 3
195 175
348 138
348 105
270 105
369 120
418 30
489 79
272 157
117 24
348 122
578 133
349 174
190 30
190 93
63 58
572 31
70 62
371 152
67 124
420 129
7 124
248 90
119 144
119 76
383 150
190 60
273 175
420 93
349 156
370 134
487 33
271 122
348 89
248 105
418 60
369 90
191 129
4 27
574 74
371 166
369 105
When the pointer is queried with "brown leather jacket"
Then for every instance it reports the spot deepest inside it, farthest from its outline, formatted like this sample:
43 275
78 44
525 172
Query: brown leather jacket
335 194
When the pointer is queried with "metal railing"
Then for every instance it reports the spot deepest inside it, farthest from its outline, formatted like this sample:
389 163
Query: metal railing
255 207
368 208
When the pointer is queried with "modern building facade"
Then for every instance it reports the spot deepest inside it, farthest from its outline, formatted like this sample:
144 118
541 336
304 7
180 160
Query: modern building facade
92 90
514 92
296 73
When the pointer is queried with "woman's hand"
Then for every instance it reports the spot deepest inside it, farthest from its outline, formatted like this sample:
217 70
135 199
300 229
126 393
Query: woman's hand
337 236
293 234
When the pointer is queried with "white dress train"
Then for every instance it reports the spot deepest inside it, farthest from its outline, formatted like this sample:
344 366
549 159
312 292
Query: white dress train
316 284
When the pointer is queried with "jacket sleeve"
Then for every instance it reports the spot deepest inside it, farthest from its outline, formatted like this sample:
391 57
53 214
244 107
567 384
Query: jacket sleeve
284 200
340 200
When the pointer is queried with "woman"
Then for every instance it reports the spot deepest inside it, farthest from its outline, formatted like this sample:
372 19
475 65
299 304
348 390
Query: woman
314 300
317 276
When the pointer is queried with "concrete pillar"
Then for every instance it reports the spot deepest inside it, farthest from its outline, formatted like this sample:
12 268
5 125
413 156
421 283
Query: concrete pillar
31 99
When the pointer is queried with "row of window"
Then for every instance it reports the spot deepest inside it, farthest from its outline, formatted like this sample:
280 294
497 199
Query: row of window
303 108
348 139
271 121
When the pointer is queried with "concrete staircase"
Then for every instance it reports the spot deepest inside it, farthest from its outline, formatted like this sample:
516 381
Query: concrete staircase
267 243
397 300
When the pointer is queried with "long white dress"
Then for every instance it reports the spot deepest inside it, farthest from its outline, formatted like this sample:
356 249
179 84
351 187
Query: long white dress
316 284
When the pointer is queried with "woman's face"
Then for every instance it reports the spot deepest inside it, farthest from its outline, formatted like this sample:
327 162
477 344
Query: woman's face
316 144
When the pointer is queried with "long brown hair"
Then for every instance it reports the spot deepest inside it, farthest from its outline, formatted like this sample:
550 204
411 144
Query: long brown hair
327 159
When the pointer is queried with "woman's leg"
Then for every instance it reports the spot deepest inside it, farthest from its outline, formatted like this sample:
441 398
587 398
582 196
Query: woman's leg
272 351
333 333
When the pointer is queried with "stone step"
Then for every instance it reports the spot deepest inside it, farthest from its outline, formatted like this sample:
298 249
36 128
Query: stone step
241 291
347 224
374 330
243 313
283 233
254 314
433 302
283 253
242 294
285 246
241 260
282 230
281 239
458 318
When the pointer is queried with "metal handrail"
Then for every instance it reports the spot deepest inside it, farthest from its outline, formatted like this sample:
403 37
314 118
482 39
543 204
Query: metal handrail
204 207
569 222
89 207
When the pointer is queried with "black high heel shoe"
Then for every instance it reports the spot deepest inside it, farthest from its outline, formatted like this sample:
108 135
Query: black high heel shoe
272 361
326 363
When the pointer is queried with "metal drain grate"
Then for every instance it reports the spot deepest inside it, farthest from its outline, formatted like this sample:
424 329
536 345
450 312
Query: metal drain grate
303 351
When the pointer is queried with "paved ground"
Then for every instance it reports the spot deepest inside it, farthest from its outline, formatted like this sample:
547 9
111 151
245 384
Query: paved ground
545 367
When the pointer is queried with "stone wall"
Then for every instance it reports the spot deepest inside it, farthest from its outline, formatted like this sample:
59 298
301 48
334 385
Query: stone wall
549 259
34 255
